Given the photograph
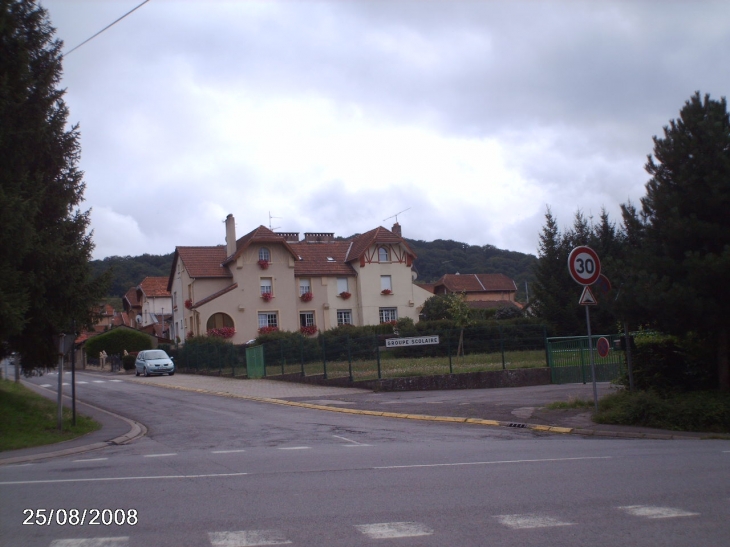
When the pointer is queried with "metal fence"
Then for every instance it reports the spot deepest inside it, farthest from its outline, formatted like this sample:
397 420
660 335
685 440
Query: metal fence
333 355
569 359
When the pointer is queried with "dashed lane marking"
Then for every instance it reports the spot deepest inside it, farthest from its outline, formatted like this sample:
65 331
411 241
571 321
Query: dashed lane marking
159 455
521 522
227 451
294 447
652 512
388 530
247 538
92 542
91 460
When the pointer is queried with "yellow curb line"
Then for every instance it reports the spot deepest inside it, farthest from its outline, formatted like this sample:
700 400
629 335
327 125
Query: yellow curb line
420 417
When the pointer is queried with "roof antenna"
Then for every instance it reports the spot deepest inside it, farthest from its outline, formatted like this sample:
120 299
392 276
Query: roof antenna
270 217
396 215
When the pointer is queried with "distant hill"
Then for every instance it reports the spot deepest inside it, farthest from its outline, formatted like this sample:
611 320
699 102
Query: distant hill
129 271
435 259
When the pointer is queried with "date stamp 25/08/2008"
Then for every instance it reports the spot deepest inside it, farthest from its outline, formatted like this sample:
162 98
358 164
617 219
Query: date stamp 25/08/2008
80 517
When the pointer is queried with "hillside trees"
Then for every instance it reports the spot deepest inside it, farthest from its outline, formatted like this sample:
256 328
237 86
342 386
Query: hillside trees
45 280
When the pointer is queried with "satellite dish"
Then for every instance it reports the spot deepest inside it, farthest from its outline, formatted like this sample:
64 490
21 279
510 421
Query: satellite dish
139 319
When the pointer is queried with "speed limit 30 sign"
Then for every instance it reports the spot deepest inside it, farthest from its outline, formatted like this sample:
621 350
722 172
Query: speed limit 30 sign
584 266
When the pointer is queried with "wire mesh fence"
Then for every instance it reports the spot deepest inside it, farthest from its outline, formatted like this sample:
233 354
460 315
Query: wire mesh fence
342 355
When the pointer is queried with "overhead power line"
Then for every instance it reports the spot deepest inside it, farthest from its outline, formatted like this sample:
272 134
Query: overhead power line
105 28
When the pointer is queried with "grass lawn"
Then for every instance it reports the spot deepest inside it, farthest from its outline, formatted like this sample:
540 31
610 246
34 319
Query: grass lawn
31 420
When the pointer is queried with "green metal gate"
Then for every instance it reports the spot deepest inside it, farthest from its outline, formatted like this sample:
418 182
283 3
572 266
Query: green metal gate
255 367
570 361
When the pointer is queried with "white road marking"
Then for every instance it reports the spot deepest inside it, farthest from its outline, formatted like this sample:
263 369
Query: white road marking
387 530
294 447
92 542
82 382
651 512
494 462
46 385
116 380
227 451
520 522
92 460
110 479
158 455
65 384
355 445
99 381
348 440
247 538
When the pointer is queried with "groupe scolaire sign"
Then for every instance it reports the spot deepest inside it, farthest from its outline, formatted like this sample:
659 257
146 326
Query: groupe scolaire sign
414 341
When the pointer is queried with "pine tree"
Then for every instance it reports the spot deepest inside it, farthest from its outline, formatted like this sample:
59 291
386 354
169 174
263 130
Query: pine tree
684 264
45 250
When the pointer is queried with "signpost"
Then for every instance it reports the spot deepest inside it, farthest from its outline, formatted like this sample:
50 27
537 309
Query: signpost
414 341
602 346
585 269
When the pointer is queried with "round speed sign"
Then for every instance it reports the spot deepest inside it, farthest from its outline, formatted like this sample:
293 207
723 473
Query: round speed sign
584 266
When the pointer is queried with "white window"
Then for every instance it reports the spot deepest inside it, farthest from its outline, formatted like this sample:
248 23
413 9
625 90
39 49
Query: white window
304 286
266 285
344 317
341 285
388 314
383 254
264 254
268 320
306 319
385 283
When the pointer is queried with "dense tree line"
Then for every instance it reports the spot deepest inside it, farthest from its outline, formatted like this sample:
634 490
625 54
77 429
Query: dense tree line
45 249
669 260
129 271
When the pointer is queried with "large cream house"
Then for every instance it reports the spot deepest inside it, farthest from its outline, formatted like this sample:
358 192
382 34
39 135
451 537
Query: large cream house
270 279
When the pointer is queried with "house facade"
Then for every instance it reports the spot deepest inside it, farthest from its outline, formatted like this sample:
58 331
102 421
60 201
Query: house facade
479 290
275 280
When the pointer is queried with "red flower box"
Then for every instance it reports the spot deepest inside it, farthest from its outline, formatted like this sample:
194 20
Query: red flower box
267 330
267 296
386 291
344 295
263 264
306 297
222 332
308 331
189 304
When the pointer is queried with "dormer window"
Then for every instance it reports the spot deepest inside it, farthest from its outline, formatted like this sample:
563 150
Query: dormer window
264 254
383 254
330 259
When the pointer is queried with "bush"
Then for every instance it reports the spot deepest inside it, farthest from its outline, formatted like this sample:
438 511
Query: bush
128 361
706 411
666 364
116 341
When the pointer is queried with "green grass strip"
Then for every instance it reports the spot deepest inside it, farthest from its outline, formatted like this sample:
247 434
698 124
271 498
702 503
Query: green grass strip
29 419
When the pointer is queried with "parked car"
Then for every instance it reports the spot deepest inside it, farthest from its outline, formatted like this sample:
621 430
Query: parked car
153 361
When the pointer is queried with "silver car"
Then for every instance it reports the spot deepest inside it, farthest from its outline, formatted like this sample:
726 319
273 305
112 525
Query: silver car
153 361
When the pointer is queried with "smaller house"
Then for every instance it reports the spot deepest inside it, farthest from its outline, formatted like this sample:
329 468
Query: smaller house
482 291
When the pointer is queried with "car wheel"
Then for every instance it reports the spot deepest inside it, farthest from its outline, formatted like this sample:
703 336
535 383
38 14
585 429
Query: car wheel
172 373
146 372
136 371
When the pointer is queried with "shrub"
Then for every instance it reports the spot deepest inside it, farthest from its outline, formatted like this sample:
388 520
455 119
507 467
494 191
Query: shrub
128 361
115 341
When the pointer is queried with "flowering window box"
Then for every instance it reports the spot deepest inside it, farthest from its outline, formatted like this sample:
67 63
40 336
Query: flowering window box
267 296
263 264
268 330
189 304
344 295
306 297
308 331
386 292
222 332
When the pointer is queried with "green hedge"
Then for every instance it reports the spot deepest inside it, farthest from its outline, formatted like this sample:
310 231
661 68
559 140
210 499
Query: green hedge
115 341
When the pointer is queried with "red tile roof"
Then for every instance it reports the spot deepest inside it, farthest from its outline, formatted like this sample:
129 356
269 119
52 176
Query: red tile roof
362 243
315 259
203 261
131 297
260 235
476 283
154 287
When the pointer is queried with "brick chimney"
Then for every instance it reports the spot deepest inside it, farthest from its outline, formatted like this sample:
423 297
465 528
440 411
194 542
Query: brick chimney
396 230
230 235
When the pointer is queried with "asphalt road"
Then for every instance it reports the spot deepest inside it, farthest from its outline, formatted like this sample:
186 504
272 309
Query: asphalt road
224 472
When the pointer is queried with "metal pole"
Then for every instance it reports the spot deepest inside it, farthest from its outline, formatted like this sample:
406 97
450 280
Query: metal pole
593 364
73 374
59 415
628 357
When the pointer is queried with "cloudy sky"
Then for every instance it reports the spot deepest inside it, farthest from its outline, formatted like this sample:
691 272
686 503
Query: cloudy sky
470 116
